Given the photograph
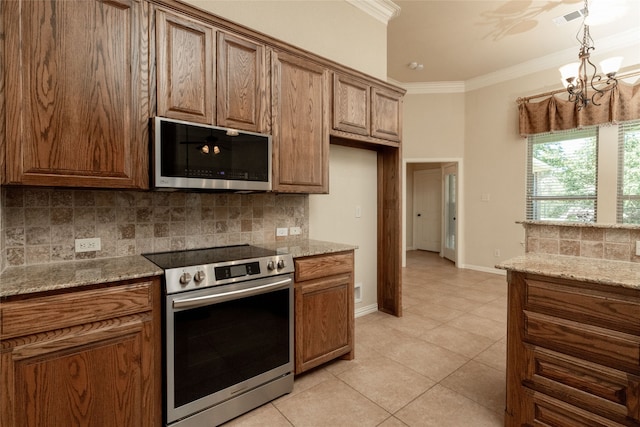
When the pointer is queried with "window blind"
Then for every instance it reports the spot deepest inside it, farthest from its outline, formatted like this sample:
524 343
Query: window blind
628 202
562 176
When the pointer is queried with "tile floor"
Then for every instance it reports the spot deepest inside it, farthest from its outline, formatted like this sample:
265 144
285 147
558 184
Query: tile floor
441 364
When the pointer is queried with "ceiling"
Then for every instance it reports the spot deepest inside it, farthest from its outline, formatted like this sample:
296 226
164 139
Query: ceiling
462 40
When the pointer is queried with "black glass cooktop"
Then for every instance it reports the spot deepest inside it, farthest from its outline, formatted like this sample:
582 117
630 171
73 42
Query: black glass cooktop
186 258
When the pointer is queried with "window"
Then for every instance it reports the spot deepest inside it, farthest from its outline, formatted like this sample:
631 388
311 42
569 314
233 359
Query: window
562 176
628 208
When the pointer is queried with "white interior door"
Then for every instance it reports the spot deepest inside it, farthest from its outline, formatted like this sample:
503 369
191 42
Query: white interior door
427 209
450 178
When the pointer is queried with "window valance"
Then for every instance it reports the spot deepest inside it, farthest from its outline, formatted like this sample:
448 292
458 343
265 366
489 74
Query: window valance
554 114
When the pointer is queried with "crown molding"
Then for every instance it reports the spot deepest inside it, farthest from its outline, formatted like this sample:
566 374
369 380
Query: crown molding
605 45
430 87
382 10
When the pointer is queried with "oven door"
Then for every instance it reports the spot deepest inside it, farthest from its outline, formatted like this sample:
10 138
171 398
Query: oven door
226 340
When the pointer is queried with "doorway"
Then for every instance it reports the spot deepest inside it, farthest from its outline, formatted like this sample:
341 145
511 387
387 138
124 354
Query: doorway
432 202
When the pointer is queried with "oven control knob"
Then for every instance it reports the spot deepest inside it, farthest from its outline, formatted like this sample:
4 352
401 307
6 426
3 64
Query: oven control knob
185 278
281 264
271 266
199 277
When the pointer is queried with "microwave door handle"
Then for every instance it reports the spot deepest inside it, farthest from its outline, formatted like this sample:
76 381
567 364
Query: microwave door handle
213 299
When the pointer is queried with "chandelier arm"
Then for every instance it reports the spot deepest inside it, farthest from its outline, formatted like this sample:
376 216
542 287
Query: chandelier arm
522 100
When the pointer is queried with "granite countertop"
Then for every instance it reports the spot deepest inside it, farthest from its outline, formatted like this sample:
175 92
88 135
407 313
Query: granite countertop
606 272
307 247
48 277
581 224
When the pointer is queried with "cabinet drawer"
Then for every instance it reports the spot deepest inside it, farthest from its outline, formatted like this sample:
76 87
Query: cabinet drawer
46 313
581 304
543 410
610 348
323 265
605 391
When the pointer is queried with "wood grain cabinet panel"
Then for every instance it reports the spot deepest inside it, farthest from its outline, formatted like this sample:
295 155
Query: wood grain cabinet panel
76 92
386 109
242 92
573 353
362 111
101 370
300 125
351 105
185 51
324 310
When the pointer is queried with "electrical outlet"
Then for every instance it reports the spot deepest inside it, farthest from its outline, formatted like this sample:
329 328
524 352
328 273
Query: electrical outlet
637 247
496 253
295 231
280 232
88 245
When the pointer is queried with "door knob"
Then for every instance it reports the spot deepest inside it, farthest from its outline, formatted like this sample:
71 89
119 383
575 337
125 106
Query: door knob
419 214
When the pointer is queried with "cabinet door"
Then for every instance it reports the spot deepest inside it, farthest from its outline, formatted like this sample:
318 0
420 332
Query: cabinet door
386 110
76 93
242 84
99 376
350 105
185 52
324 325
300 125
90 360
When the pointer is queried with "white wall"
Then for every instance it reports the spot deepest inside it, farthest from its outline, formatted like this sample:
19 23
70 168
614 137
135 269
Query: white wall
332 29
332 216
494 156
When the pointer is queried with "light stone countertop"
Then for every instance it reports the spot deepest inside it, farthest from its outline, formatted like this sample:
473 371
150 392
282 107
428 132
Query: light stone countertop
62 275
49 277
307 247
581 224
606 272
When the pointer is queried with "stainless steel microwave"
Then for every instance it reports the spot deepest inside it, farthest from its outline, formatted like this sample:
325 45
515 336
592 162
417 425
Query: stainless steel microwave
196 156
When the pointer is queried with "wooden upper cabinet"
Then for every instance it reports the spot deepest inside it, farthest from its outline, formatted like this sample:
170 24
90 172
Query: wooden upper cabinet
76 91
185 55
386 114
242 92
351 105
364 111
300 125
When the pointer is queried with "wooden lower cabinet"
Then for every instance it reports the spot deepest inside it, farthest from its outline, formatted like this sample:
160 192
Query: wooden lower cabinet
83 358
573 353
324 309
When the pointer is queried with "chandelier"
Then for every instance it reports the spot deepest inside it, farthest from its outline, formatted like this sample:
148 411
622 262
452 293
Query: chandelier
581 78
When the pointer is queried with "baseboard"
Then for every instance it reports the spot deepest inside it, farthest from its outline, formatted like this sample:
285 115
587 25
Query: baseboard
484 269
362 311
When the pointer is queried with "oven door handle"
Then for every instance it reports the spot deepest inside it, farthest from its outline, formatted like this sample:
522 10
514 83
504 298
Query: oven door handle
226 296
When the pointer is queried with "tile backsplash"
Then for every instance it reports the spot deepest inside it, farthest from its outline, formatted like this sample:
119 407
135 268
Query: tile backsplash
603 241
40 225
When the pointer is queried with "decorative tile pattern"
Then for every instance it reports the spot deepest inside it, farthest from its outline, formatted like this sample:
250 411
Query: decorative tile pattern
616 242
39 225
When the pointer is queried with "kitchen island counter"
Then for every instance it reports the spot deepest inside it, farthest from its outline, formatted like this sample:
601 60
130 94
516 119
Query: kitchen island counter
605 272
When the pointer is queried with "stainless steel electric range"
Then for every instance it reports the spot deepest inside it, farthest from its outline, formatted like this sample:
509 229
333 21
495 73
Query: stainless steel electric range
228 332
